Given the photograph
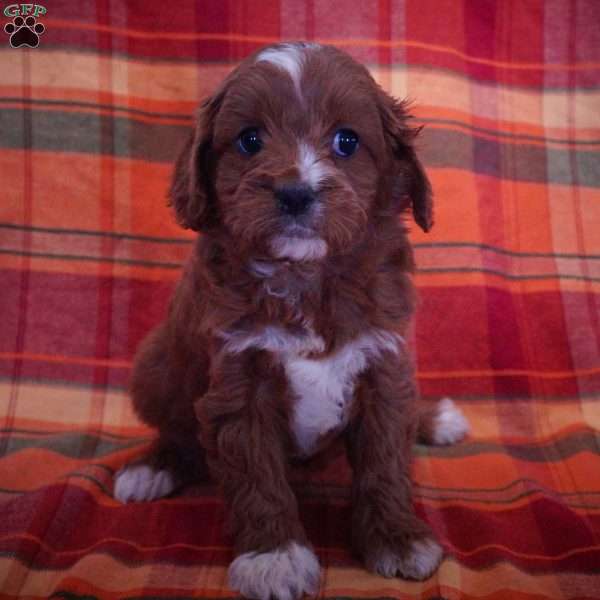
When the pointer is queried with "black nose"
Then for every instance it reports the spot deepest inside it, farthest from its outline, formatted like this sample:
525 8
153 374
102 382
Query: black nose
294 199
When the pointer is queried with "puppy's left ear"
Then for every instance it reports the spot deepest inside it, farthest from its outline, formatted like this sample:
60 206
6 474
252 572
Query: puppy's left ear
410 185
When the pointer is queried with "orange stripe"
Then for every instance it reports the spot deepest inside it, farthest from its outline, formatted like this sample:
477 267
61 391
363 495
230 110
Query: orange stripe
185 107
508 373
516 286
505 550
47 264
77 360
138 547
330 550
481 505
125 364
103 576
498 469
494 505
55 265
545 439
35 467
66 471
232 37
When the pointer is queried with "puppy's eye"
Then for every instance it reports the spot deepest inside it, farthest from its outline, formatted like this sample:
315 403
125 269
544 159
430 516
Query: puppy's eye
345 142
249 141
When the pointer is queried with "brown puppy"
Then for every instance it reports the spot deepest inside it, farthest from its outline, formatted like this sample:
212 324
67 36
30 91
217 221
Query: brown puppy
287 326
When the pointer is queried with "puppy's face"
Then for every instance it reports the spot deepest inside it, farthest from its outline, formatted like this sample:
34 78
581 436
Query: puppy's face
295 154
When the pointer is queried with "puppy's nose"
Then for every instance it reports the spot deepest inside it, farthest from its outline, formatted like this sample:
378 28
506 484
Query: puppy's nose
294 199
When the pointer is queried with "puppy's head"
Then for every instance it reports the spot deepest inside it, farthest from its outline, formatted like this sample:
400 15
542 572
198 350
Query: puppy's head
294 154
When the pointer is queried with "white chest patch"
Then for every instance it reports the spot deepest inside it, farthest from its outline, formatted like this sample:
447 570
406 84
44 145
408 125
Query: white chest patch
323 388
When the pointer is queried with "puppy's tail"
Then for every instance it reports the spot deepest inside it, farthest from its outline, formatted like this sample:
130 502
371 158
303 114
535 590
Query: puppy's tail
442 424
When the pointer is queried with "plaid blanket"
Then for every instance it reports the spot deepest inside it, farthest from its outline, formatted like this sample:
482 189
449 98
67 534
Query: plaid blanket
509 278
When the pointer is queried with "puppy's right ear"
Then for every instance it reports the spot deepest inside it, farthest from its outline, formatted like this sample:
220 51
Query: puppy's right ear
192 192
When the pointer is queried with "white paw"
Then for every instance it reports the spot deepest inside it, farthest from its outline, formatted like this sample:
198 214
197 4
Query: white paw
141 482
450 425
285 573
422 560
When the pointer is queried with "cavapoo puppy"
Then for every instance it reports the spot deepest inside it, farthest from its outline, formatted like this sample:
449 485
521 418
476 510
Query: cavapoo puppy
287 327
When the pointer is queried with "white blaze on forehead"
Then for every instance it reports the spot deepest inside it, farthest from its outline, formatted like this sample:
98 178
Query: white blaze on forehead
312 170
290 58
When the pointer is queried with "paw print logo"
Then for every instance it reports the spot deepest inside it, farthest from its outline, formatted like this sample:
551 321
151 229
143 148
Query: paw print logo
24 32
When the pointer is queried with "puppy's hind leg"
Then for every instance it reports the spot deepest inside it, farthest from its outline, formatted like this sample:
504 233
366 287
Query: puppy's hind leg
442 425
169 465
166 380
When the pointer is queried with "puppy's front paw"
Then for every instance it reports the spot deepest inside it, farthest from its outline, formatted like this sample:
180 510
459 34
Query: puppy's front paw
285 573
418 561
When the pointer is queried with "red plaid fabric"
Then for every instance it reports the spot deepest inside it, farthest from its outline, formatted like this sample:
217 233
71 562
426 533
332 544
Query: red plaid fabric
508 325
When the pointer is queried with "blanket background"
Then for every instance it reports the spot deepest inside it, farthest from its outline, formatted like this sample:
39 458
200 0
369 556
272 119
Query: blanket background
509 278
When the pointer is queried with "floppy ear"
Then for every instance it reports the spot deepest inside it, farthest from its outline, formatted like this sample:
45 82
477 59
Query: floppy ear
192 188
411 184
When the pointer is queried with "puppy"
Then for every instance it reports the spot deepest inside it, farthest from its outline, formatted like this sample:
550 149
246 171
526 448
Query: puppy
287 327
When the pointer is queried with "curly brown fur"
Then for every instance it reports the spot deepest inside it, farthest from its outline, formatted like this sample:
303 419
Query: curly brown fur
287 326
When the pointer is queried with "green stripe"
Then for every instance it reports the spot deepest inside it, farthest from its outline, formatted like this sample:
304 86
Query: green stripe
59 383
512 484
504 251
72 444
96 233
98 259
65 132
40 433
513 136
325 491
189 120
187 241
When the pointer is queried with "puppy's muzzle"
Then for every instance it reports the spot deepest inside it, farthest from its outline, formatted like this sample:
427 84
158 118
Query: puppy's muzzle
294 200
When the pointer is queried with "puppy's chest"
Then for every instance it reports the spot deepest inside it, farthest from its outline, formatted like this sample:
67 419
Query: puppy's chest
322 388
323 393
